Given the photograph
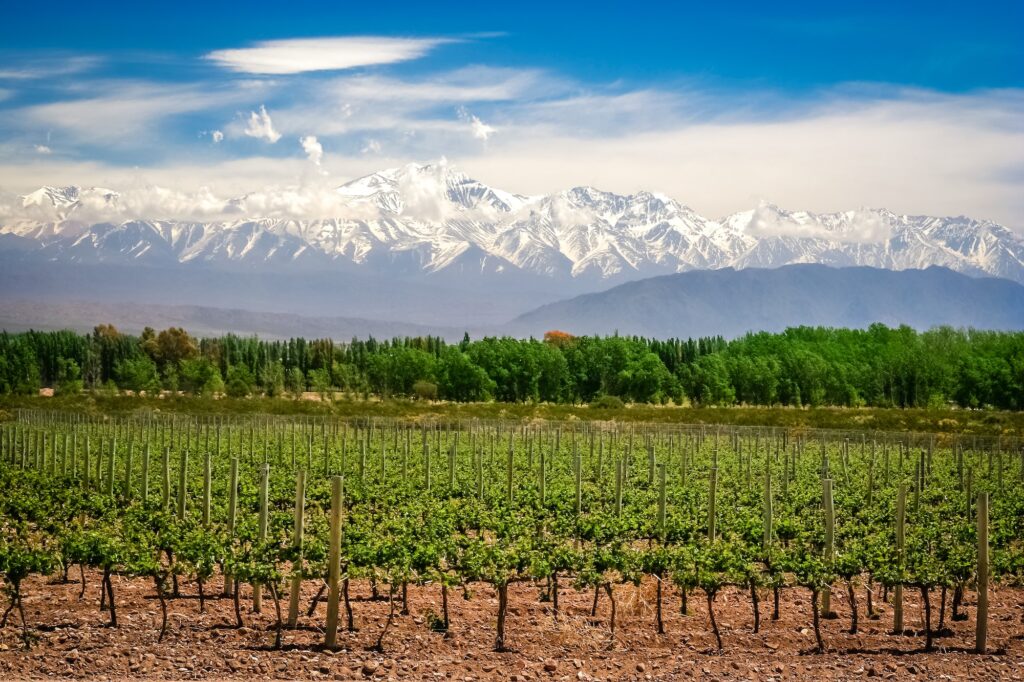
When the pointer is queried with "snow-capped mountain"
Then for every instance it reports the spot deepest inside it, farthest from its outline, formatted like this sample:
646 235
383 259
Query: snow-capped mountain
433 219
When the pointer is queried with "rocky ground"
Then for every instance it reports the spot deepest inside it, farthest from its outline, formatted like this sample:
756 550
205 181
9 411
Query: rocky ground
70 639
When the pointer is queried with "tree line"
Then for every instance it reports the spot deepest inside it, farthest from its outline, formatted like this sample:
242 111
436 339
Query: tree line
878 366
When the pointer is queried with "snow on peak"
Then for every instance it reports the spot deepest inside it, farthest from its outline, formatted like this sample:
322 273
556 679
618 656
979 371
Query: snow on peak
433 216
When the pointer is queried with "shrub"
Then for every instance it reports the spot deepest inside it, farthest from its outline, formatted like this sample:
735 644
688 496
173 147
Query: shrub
425 390
607 402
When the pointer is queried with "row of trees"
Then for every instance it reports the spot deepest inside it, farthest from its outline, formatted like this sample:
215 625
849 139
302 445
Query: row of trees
879 366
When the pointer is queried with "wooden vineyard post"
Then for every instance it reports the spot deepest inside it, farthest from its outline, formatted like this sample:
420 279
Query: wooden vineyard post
297 540
683 464
897 600
712 493
480 475
830 538
110 467
885 461
871 479
145 474
960 465
918 478
327 452
257 588
767 502
232 512
542 474
661 502
207 485
618 487
786 470
99 466
426 467
182 484
362 459
166 491
451 468
509 472
969 490
85 478
126 487
334 563
981 628
579 484
405 461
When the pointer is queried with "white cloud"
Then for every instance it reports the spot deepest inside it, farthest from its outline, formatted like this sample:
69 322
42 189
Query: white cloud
49 67
471 84
261 127
43 149
217 136
323 54
480 130
767 220
314 150
375 106
122 112
917 153
907 150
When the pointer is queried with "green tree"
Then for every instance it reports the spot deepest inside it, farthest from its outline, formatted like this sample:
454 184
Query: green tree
138 374
272 378
240 382
295 382
460 380
69 377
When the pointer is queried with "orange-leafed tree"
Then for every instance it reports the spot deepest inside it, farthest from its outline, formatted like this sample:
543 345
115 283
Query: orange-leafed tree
558 338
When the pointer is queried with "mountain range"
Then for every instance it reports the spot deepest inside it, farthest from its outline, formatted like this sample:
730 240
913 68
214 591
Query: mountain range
426 244
723 302
731 302
432 218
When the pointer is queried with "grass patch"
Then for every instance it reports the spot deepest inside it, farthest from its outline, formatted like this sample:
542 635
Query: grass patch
980 422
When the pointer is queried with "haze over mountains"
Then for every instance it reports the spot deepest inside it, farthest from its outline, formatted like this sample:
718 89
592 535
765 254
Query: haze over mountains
733 302
699 303
427 245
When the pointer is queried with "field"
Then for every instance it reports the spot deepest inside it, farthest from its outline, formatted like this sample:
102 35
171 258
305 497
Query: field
868 419
485 548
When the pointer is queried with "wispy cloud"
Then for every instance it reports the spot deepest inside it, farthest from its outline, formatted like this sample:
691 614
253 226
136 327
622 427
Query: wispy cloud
47 67
261 126
909 151
301 55
717 149
314 150
478 128
122 110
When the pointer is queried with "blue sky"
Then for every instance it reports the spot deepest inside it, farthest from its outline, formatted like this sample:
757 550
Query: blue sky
916 106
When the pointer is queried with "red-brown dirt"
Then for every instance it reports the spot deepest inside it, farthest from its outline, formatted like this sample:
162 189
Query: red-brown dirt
71 639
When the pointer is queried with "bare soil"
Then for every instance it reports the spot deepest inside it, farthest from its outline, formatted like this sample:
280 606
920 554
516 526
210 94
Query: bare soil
70 638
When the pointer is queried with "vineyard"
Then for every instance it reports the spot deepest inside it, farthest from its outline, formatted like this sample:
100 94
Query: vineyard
333 534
